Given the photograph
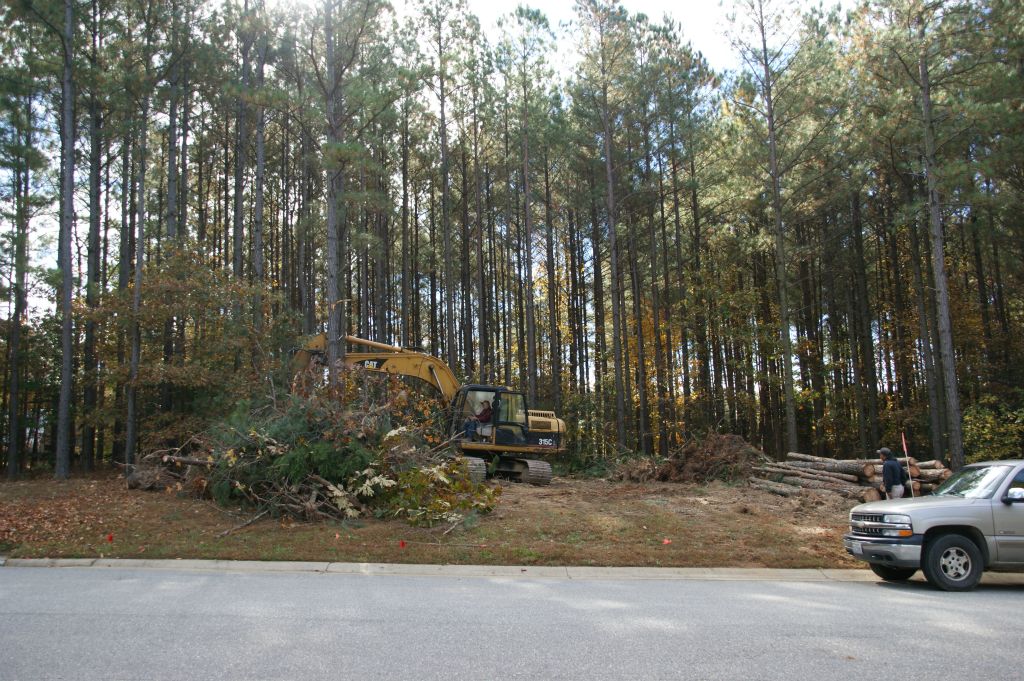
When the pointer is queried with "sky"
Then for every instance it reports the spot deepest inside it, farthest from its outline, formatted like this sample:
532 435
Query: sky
703 22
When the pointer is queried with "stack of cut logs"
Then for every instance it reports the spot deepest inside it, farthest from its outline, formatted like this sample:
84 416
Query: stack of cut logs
858 479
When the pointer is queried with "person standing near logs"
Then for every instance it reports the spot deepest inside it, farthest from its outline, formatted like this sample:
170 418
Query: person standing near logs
893 475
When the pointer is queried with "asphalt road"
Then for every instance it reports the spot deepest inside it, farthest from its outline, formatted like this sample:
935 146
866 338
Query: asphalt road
153 624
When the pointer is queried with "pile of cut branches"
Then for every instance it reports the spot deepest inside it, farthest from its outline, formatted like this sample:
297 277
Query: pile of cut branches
365 447
723 457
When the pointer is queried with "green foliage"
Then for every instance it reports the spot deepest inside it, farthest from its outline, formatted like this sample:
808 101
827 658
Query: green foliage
440 493
994 429
323 459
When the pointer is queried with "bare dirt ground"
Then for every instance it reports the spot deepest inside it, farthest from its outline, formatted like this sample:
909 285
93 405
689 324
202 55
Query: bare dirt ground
570 522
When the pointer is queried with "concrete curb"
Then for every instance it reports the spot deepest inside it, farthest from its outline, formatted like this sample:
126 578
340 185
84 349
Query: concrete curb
567 573
487 571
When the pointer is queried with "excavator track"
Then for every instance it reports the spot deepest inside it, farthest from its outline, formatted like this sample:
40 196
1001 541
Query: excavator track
536 473
530 471
477 468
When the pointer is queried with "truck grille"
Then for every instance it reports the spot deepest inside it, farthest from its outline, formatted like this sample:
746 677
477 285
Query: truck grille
866 524
873 525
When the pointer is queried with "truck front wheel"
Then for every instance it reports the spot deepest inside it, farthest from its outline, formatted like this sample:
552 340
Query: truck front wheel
952 562
892 574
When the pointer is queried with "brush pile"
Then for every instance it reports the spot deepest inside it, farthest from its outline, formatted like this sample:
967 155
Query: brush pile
723 457
857 479
362 448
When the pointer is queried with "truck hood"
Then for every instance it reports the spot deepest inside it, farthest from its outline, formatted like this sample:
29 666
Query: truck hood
917 504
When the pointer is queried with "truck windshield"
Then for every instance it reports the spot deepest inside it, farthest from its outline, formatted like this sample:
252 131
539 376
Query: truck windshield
976 482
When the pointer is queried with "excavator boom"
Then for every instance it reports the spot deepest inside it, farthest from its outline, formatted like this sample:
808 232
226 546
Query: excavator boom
389 359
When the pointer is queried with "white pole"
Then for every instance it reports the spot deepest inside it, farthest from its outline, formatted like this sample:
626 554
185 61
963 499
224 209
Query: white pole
910 478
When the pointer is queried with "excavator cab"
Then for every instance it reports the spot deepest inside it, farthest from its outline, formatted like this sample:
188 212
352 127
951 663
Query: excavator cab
469 403
507 424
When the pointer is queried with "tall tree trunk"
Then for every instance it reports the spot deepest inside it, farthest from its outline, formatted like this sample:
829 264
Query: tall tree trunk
600 333
170 215
183 188
701 303
241 156
671 417
862 317
483 301
953 422
125 250
785 342
466 286
643 407
305 253
171 212
258 190
659 359
92 285
981 278
382 259
812 317
407 275
574 303
22 189
131 435
488 292
620 399
449 283
336 221
932 379
241 145
904 378
62 468
527 254
554 331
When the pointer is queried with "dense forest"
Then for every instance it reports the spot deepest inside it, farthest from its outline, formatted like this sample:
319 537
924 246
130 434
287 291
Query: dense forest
820 250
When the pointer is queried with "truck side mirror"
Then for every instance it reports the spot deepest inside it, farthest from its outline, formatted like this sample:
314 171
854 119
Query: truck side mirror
1014 496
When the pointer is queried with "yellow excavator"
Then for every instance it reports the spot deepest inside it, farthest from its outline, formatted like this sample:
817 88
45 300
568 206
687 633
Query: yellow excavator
488 423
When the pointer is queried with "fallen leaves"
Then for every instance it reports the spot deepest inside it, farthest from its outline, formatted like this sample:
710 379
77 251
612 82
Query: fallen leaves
49 520
76 512
600 523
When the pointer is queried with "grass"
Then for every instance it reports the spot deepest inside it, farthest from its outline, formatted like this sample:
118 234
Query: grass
571 522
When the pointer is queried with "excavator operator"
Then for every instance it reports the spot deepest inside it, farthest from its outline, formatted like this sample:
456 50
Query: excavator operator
473 422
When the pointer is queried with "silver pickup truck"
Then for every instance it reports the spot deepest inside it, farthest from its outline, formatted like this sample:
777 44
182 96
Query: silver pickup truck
973 522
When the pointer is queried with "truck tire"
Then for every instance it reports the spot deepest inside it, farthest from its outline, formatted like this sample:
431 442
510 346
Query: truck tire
952 562
892 574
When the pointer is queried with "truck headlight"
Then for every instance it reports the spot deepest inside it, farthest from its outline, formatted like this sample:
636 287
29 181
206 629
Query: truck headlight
899 525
